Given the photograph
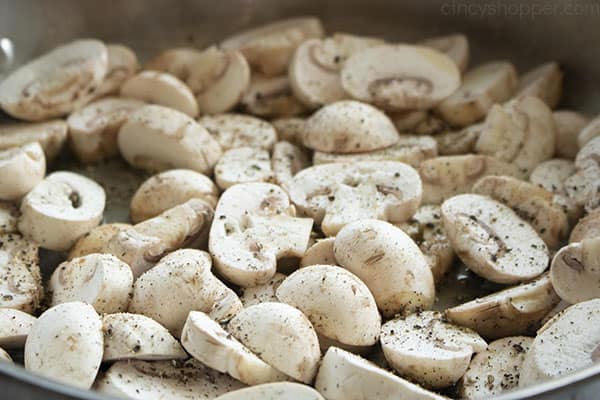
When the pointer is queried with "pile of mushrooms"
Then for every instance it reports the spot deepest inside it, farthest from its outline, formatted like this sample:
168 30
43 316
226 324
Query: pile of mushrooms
306 197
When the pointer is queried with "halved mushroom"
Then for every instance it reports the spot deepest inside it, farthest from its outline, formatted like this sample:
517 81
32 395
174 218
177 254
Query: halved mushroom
60 209
100 280
566 343
320 253
289 129
96 240
339 193
21 169
492 240
55 83
238 130
455 46
262 293
521 132
495 370
14 327
282 336
9 216
134 336
582 187
169 189
209 343
400 77
243 165
569 124
5 357
543 82
122 65
587 228
588 132
66 344
93 129
274 391
388 261
575 271
418 122
269 48
346 376
51 135
271 98
514 311
458 142
288 159
181 282
254 226
157 138
337 302
178 61
447 176
428 349
482 87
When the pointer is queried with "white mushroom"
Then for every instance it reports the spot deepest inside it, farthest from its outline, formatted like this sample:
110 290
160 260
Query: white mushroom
21 169
157 138
288 159
588 227
5 357
575 271
14 327
282 336
400 77
274 391
337 302
100 280
289 129
455 46
320 253
9 216
543 82
262 293
429 350
569 124
66 344
451 143
588 132
56 83
51 135
96 240
492 240
134 336
582 187
178 61
271 98
254 226
243 165
418 122
122 65
238 130
60 209
481 88
209 343
93 129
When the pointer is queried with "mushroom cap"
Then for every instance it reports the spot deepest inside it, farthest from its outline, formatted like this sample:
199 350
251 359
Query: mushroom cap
575 271
262 293
271 97
588 227
177 61
551 174
96 240
582 187
455 46
122 65
543 82
452 143
320 253
568 126
274 391
21 169
588 132
51 135
9 216
288 159
14 327
238 130
243 165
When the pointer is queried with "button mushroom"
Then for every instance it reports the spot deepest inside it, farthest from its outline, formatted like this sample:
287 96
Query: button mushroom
243 165
320 253
289 129
21 169
575 271
9 216
122 65
543 82
262 293
588 227
274 391
288 159
568 126
452 143
271 97
51 135
96 240
238 130
418 122
14 327
588 132
582 187
455 46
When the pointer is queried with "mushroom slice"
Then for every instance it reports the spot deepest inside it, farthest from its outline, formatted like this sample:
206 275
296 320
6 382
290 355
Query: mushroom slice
243 165
96 240
417 122
455 46
60 209
588 132
582 187
9 215
262 293
14 327
179 62
289 129
496 369
169 189
157 138
238 130
568 126
155 380
21 169
543 82
492 240
575 271
122 65
20 277
142 245
65 344
566 343
482 87
254 226
533 204
271 98
270 48
134 336
162 89
101 280
51 135
5 357
209 343
447 176
514 311
56 83
181 282
93 129
452 143
521 132
274 391
409 149
587 228
400 77
288 159
336 301
282 336
346 376
320 253
388 261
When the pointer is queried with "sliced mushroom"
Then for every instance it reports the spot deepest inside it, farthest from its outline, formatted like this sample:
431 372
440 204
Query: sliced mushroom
336 301
133 336
169 189
93 129
482 87
514 311
9 216
495 370
389 263
452 143
66 344
575 271
418 122
568 126
582 187
288 159
56 83
209 343
588 132
282 336
262 293
455 46
543 82
271 98
5 357
400 77
21 169
96 240
587 228
289 129
561 306
238 130
274 391
269 48
179 62
100 280
157 138
181 282
254 226
320 253
492 240
243 165
122 65
14 327
51 135
429 350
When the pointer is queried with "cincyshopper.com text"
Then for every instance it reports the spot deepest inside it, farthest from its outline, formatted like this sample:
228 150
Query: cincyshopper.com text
524 9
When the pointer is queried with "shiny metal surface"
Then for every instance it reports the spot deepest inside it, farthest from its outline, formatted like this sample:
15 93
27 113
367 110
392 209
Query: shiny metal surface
525 32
